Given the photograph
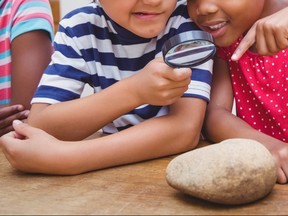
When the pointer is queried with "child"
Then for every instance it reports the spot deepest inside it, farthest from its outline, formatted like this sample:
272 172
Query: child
258 83
138 100
26 31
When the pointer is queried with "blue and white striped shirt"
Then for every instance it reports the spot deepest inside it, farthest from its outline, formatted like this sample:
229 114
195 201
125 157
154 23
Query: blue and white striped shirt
90 48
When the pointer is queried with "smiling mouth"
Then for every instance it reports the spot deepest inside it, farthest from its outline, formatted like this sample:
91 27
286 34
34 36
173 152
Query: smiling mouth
146 13
146 16
217 26
140 14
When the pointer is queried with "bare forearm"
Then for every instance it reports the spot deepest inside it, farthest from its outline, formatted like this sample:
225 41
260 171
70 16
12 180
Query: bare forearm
151 139
77 119
31 54
230 126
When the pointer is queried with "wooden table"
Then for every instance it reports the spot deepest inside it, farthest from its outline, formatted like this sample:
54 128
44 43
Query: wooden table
134 189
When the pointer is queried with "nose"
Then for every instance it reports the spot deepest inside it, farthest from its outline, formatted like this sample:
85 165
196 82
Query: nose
204 7
152 2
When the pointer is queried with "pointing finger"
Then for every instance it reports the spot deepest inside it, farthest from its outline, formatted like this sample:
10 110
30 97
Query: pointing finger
245 44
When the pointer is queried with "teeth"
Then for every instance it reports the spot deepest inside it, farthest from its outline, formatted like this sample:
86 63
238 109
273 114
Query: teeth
218 26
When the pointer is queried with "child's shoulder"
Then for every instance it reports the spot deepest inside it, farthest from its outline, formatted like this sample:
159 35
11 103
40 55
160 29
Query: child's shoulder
181 9
14 6
86 14
89 9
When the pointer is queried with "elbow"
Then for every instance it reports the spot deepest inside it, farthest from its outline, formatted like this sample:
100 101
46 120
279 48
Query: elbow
189 136
36 117
209 124
34 121
214 121
206 128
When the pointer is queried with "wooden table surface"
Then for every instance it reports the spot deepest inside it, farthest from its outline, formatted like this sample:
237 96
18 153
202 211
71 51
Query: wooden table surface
134 189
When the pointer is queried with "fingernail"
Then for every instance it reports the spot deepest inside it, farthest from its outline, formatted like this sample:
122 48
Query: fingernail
234 57
17 122
20 107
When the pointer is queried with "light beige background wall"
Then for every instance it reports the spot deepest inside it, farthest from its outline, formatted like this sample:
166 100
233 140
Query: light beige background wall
68 5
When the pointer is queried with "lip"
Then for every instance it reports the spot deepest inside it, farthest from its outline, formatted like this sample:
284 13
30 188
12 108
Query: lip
146 16
215 28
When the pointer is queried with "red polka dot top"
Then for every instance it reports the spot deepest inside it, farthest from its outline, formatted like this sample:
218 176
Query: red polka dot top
260 85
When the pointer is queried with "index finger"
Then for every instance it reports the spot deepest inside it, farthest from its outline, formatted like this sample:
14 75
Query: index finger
245 44
10 110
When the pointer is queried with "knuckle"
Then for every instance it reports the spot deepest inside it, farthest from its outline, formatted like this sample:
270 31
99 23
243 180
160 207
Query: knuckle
282 45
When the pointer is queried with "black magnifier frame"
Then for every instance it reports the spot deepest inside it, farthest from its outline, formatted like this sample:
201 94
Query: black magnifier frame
192 37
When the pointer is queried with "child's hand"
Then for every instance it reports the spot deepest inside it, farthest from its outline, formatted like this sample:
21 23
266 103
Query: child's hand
158 84
280 154
270 35
9 114
32 150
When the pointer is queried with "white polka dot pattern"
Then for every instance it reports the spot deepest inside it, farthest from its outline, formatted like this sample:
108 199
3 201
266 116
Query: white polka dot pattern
260 85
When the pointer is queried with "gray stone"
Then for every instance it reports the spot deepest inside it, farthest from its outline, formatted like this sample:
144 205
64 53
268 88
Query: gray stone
233 172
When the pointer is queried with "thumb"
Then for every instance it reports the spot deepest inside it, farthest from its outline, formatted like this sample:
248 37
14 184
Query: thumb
180 74
245 44
23 130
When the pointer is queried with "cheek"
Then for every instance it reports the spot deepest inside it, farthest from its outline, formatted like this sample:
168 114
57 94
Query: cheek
191 12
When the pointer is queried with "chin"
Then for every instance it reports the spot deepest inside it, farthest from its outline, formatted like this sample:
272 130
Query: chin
223 42
150 32
147 36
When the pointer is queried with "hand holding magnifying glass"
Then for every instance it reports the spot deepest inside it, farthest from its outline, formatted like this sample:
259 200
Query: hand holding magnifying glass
188 49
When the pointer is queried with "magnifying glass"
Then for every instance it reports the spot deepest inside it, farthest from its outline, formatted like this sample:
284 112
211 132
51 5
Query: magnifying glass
188 49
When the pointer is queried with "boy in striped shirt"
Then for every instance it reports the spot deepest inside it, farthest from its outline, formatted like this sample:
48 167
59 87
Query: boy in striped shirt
148 109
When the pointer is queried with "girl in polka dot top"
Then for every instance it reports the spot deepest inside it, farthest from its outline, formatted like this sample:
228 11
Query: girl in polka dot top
256 79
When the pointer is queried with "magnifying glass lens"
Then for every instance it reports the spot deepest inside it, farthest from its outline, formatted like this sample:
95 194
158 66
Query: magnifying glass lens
189 49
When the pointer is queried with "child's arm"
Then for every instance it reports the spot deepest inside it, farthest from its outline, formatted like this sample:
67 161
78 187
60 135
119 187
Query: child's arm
156 84
221 124
39 152
270 34
31 53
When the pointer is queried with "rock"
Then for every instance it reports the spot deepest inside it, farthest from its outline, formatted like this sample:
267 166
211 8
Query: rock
233 172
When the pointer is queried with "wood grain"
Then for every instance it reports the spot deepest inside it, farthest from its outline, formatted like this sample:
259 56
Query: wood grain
135 189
